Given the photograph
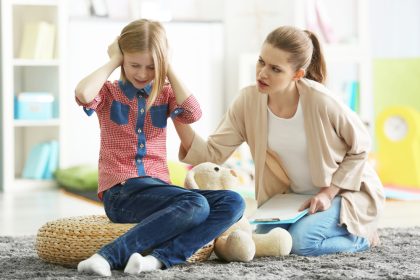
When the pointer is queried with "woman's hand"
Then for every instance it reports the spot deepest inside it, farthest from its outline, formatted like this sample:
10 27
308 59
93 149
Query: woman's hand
321 201
114 52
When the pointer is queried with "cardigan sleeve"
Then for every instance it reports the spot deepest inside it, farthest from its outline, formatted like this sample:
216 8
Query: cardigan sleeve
353 132
338 141
222 143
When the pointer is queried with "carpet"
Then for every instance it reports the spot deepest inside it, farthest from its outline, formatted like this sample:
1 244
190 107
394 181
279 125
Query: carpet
398 257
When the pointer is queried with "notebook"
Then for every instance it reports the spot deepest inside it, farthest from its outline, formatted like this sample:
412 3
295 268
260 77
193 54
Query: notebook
280 209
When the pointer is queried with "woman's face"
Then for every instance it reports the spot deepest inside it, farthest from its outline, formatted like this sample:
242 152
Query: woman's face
274 73
139 68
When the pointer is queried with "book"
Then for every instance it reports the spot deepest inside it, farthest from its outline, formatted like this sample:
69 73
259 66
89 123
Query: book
281 209
98 8
311 18
37 161
325 22
42 161
38 40
318 21
52 163
353 93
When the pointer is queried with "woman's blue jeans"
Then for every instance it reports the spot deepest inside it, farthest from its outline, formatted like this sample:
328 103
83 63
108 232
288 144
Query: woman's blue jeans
320 233
172 222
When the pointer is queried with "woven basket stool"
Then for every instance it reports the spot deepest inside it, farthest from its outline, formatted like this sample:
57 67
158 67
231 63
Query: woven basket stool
71 240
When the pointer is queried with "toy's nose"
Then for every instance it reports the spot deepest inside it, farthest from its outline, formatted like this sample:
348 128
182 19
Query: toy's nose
233 173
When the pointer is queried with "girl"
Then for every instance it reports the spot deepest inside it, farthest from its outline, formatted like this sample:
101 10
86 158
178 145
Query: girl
133 175
302 140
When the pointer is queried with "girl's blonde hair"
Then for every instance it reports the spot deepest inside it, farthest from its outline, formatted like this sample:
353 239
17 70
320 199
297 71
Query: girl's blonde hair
147 35
304 48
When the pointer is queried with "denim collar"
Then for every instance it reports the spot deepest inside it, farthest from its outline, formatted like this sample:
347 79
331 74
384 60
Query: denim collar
130 91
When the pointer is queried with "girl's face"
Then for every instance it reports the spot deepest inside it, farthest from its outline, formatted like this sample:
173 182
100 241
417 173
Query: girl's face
274 73
139 68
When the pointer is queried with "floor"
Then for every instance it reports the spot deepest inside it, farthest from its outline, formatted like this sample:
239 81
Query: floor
23 213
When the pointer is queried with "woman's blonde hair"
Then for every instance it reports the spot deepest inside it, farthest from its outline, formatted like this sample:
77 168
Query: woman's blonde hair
304 48
147 35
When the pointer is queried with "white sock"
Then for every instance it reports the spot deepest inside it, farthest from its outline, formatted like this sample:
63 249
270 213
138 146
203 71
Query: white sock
96 264
137 263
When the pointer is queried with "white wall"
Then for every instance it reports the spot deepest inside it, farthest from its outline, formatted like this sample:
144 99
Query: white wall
395 28
247 23
87 41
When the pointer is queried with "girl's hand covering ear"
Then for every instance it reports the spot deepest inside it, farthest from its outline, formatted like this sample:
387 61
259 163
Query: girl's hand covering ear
114 51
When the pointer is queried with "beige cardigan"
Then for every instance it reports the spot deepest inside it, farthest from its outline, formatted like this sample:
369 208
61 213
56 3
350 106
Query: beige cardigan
338 146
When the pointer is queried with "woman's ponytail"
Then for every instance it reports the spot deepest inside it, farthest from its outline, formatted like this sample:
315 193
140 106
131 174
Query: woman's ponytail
317 69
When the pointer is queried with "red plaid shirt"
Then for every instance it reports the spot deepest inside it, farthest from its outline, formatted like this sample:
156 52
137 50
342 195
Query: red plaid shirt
133 141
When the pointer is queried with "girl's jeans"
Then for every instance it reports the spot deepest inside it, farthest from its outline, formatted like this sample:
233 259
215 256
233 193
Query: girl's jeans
172 222
320 233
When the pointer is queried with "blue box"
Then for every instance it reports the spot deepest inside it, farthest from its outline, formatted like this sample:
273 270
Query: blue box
34 106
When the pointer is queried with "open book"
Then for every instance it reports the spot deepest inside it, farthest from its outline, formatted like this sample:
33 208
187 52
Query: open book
280 209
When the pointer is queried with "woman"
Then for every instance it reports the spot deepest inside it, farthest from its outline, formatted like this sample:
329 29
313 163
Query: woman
302 140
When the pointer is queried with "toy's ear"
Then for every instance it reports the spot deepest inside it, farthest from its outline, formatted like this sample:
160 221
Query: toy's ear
190 180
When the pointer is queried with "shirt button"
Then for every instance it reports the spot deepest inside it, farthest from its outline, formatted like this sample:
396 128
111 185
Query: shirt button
139 130
123 183
176 111
139 160
141 146
142 110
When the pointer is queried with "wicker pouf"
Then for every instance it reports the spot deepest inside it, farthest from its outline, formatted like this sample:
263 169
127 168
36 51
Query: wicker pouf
71 240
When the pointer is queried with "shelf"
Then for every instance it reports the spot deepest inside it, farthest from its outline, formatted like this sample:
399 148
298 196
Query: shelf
35 2
29 123
344 52
32 184
45 75
35 62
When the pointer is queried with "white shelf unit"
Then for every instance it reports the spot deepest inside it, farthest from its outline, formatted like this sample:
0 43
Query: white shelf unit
348 58
29 75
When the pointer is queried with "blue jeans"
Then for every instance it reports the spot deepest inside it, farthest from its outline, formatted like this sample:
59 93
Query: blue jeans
320 233
172 222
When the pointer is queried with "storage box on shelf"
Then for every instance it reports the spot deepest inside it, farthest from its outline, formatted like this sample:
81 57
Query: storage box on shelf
34 106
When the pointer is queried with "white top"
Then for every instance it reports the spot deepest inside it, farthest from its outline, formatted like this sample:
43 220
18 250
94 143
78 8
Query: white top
288 139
